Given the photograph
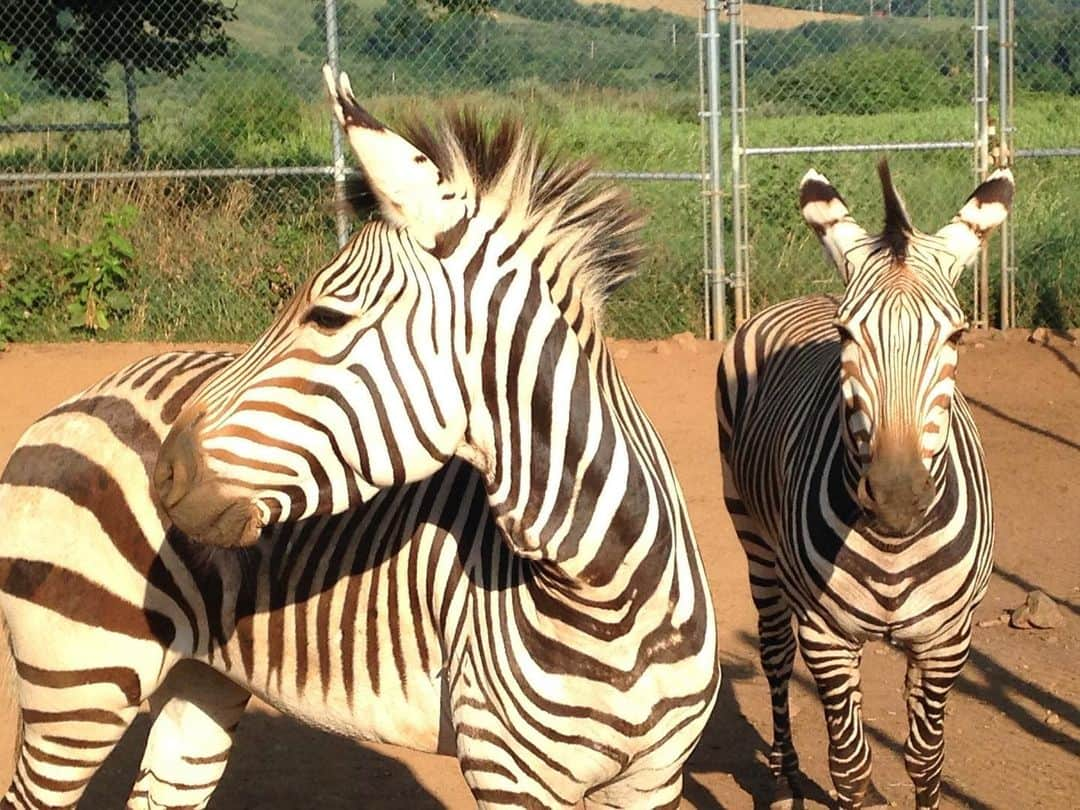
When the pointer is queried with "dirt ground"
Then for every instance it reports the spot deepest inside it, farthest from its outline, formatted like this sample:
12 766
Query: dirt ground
755 15
1014 721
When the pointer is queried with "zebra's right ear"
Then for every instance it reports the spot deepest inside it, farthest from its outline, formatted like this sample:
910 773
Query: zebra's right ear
413 193
827 215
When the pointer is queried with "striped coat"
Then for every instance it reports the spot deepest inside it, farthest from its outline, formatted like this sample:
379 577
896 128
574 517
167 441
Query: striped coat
532 601
855 477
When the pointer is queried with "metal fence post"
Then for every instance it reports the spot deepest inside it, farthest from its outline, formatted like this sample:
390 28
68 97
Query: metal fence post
1006 53
716 275
981 102
135 145
341 217
739 180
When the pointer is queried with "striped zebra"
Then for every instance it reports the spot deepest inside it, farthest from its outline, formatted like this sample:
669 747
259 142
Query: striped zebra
855 477
461 534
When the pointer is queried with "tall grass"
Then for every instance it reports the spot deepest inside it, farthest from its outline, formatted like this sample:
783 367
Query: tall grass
216 258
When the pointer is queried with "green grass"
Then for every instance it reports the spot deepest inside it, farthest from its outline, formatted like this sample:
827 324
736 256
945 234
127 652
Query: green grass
213 259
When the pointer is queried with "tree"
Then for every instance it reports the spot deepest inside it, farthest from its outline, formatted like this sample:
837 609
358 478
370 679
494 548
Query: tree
69 44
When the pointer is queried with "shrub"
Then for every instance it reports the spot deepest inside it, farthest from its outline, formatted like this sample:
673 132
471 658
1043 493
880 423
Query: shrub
863 80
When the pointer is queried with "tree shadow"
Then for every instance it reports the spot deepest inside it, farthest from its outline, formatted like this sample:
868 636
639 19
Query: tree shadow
278 764
731 744
1049 434
1063 358
1027 586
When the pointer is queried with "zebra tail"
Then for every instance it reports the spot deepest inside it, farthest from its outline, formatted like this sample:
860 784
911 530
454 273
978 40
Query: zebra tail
10 711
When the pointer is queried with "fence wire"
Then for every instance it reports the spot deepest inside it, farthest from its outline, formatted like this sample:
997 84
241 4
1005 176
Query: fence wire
921 83
167 167
198 133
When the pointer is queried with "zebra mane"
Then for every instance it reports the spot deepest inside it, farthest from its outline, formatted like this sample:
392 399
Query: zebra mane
898 228
594 222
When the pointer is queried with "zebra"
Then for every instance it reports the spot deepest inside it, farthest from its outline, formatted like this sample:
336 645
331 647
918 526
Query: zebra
854 476
498 566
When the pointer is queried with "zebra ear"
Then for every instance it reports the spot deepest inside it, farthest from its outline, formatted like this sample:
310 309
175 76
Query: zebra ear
827 215
410 188
984 210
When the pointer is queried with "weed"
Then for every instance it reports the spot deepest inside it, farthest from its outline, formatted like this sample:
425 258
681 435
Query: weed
98 274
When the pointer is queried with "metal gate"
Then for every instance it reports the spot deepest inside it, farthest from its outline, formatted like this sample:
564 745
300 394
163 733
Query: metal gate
839 92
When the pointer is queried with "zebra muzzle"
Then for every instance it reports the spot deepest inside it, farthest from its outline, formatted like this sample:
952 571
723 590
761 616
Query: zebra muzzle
197 502
897 496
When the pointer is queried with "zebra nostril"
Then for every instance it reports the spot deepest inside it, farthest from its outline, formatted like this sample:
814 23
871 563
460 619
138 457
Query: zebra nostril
174 471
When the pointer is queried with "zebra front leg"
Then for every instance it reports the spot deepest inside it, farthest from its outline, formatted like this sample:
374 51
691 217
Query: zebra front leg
196 713
932 671
834 663
776 639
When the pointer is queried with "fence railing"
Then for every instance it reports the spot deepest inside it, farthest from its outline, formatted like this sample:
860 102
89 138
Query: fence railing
233 165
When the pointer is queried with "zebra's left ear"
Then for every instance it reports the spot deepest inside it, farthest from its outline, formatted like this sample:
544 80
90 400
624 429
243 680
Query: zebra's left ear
412 191
984 210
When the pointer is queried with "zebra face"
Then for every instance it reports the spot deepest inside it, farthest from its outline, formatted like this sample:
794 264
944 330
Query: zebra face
337 400
899 324
355 387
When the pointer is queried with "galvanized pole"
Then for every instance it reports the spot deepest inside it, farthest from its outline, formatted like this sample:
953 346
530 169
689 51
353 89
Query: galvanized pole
134 143
717 278
737 69
341 216
982 147
1005 153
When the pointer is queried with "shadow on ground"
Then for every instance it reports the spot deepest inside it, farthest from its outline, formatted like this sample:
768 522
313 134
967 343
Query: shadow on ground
279 764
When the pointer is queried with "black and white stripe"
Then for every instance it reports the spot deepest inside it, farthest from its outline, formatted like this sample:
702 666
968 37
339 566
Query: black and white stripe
462 533
855 478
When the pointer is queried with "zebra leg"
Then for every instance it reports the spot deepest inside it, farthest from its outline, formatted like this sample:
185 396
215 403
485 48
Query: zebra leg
834 663
196 713
932 671
776 638
69 729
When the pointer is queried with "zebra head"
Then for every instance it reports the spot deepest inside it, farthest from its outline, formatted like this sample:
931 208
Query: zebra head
899 323
392 358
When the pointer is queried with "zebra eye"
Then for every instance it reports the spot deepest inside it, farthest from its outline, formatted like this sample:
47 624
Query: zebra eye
326 319
955 337
844 333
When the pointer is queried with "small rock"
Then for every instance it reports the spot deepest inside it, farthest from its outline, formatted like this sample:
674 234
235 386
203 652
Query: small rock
1074 336
1052 719
979 345
1039 611
1040 335
685 340
661 347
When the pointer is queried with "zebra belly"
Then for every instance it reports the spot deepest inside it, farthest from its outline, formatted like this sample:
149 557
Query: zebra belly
417 719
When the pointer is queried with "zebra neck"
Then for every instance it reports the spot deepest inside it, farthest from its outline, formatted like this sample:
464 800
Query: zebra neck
583 484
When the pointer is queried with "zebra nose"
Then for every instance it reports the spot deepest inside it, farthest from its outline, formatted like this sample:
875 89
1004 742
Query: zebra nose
898 493
177 469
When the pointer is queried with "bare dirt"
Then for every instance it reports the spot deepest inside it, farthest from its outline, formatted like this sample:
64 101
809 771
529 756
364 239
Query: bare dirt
1014 721
755 15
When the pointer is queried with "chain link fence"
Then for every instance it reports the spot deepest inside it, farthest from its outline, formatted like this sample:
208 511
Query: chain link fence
167 166
190 140
925 83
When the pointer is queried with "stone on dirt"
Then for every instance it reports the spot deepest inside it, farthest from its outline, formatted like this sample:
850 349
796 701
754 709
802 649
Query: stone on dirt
1040 335
1038 612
